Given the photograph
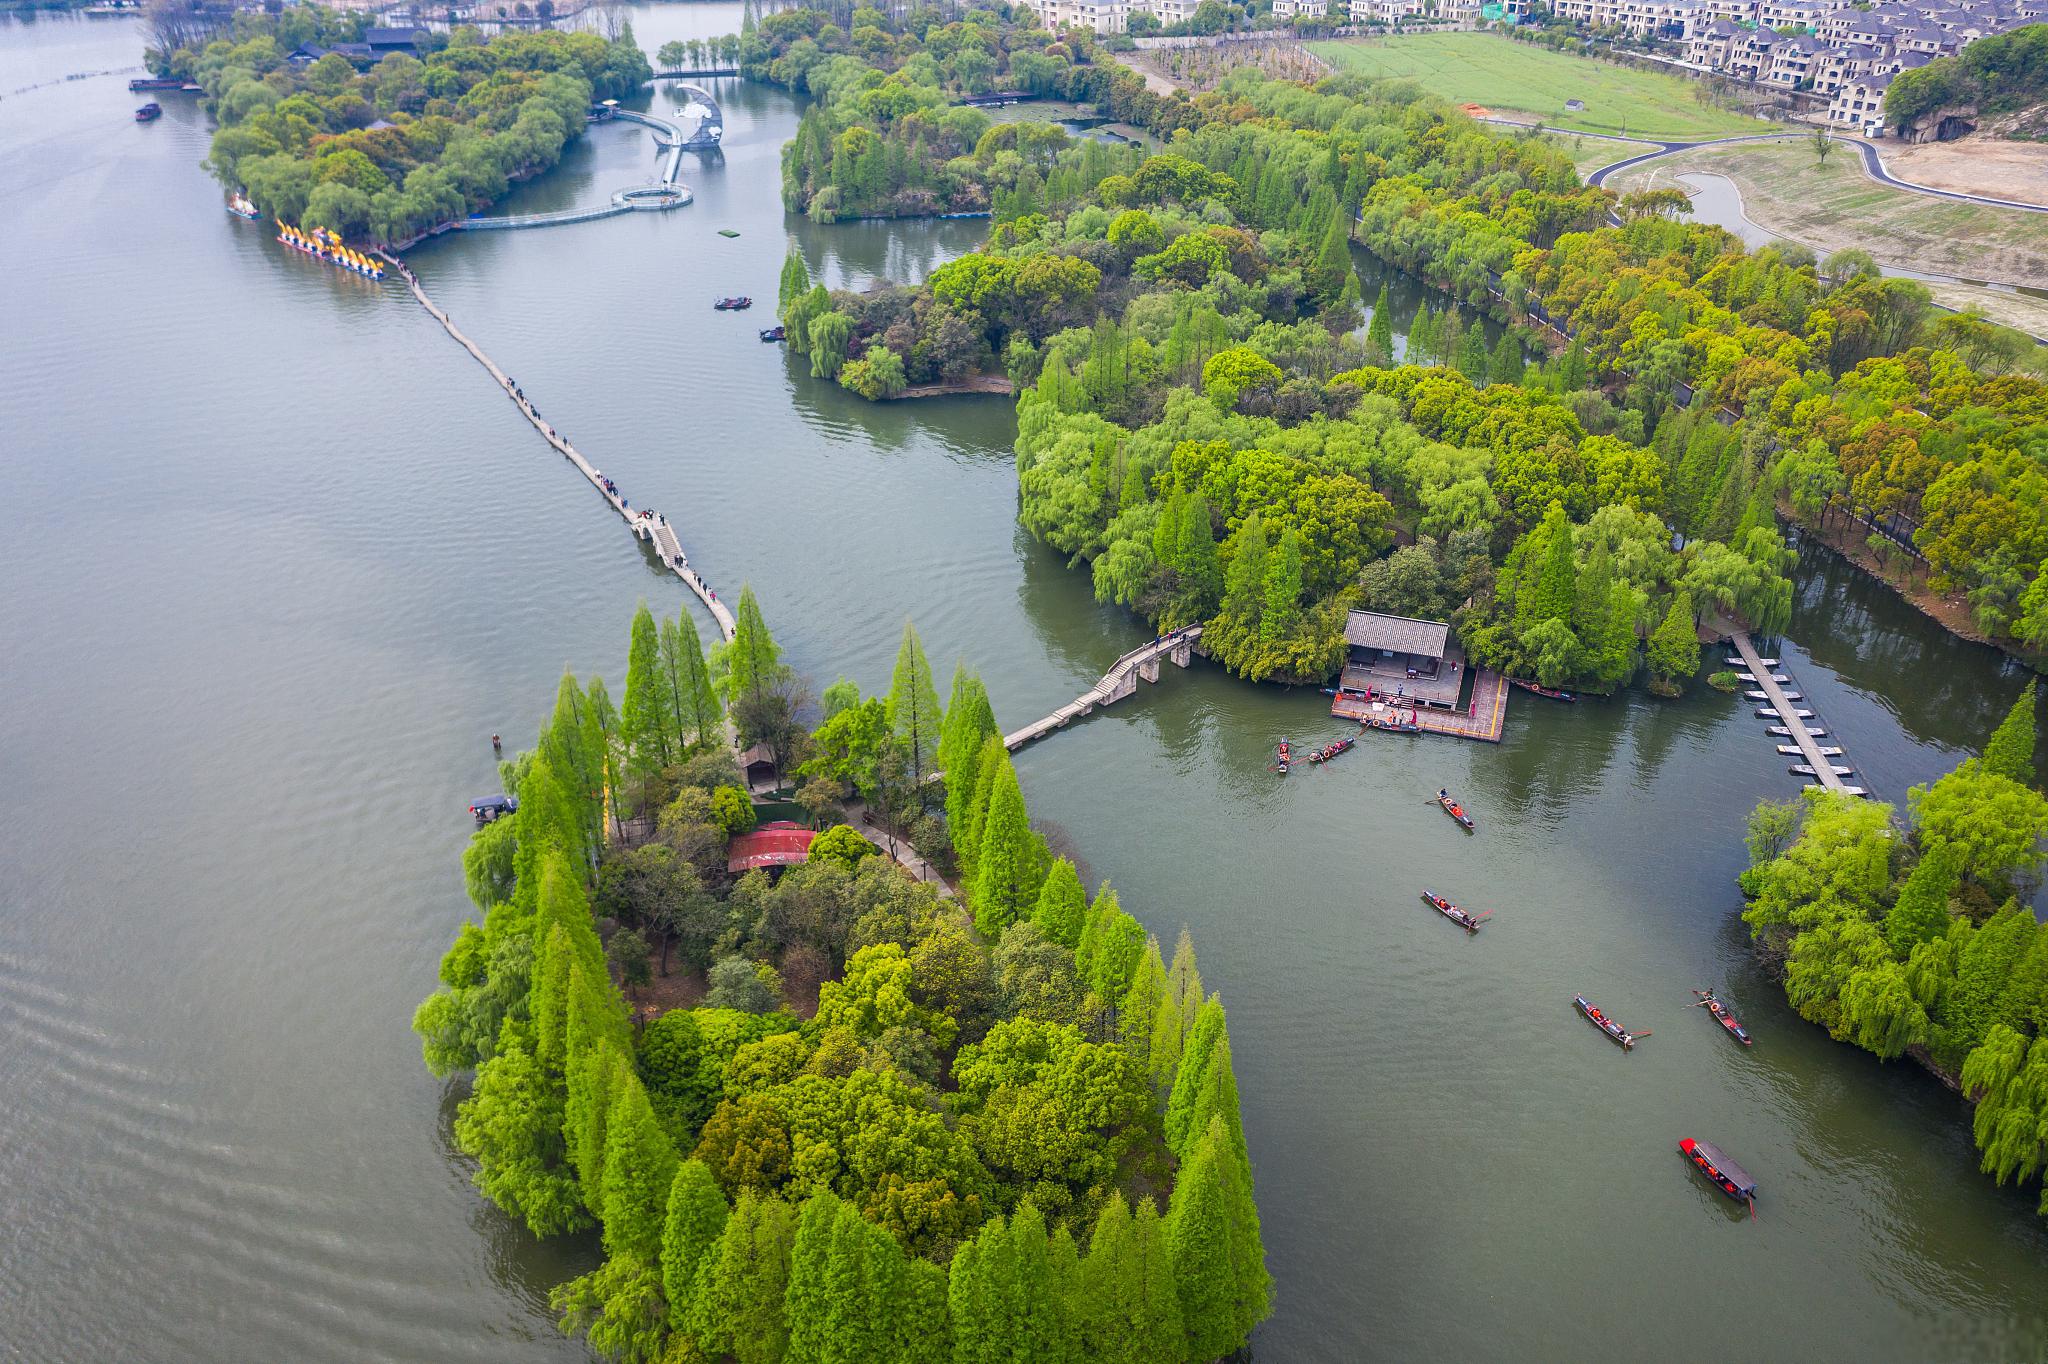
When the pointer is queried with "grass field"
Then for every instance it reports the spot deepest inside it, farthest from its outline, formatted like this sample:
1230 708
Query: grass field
1520 79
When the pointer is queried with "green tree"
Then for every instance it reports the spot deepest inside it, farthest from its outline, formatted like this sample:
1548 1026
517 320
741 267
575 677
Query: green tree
1921 913
692 702
1507 365
970 723
640 717
1127 1310
1995 823
639 1169
1379 335
2010 752
1062 906
914 714
695 1221
749 665
841 843
795 282
738 1310
1219 1259
1004 889
1674 651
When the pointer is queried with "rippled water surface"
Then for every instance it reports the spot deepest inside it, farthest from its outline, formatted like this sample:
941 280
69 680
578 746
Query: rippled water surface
278 559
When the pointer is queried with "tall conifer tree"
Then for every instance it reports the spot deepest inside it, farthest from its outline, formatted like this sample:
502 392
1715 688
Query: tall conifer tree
695 1220
2010 751
639 1166
1219 1259
914 714
1062 905
1003 870
1379 334
640 724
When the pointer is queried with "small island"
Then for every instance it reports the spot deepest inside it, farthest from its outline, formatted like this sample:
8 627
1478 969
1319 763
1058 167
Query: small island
383 135
893 1088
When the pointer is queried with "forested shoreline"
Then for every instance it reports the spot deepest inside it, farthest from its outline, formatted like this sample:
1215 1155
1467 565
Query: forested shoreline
1698 385
413 142
1919 939
900 1124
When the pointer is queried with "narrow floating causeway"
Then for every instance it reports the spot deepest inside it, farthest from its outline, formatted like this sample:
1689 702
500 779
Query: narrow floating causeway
1120 681
649 526
1819 762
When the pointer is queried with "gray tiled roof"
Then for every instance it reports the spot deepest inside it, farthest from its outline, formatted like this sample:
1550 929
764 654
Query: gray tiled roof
1402 634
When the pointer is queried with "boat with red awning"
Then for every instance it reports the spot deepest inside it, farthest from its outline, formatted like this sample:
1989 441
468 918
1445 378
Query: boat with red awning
1727 1176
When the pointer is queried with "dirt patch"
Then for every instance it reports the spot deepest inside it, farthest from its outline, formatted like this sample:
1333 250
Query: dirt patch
1975 165
979 383
680 990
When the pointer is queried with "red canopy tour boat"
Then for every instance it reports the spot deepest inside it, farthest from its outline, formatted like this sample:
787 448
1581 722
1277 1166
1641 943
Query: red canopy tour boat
1469 922
1620 1036
1453 809
1713 1004
1727 1176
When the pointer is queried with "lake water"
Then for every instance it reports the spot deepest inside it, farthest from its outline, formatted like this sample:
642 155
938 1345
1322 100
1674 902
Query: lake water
279 559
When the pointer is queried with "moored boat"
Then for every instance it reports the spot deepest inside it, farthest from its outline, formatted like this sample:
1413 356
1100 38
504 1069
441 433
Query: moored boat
1391 726
733 305
1785 731
1617 1034
1453 809
1727 1176
1713 1004
1553 693
1469 922
239 205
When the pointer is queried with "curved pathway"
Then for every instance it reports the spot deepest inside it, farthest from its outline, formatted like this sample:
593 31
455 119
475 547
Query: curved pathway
1120 681
1873 165
666 193
647 525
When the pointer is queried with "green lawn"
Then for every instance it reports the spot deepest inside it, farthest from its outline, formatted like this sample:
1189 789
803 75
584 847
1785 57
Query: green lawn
1522 80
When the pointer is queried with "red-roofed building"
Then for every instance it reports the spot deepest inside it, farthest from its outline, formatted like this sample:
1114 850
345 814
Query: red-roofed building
777 844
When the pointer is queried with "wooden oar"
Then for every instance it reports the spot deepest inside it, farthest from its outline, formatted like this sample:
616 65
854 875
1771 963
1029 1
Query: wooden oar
1639 1036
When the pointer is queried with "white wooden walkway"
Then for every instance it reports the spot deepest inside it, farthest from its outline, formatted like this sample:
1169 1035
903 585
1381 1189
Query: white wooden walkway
1120 681
654 529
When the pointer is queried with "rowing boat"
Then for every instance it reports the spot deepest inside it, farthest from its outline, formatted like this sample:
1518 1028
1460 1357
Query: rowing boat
1469 922
1617 1034
1712 1003
1454 810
